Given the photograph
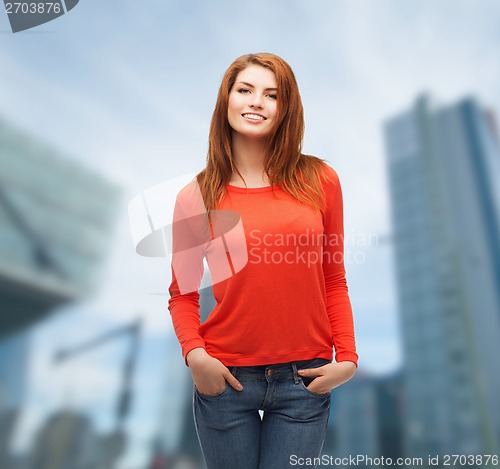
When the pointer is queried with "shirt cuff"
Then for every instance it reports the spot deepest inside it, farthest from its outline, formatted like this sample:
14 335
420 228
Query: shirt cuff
196 343
347 357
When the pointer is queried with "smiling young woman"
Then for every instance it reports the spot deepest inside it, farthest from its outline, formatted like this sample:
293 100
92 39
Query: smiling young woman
268 343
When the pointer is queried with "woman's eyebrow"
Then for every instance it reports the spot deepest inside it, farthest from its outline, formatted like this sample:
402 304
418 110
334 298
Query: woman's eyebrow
251 86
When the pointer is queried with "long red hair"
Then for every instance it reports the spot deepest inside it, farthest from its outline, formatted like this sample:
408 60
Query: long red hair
295 173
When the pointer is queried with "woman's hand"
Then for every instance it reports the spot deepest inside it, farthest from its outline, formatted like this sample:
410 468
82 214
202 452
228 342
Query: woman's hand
210 374
329 376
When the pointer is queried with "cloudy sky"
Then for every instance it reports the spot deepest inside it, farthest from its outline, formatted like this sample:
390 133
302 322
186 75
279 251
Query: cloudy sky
128 89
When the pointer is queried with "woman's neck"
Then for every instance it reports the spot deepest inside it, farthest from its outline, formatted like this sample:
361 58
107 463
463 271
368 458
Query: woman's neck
248 157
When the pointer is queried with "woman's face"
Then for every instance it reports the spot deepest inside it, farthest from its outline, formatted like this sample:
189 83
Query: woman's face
252 102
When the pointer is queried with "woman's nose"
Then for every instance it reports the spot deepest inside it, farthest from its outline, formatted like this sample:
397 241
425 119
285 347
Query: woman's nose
256 101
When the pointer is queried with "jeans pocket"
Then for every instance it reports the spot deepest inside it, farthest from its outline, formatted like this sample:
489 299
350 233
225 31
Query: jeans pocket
212 395
312 393
305 381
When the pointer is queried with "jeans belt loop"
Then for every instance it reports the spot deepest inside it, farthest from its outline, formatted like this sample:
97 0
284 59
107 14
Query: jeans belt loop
295 374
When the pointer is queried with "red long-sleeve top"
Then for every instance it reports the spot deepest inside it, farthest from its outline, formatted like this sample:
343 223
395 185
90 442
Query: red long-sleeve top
278 276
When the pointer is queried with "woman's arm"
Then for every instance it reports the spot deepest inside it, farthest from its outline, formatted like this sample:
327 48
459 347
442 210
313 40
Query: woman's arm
337 298
331 375
188 253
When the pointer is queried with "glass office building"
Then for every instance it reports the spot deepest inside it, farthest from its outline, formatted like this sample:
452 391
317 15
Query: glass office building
55 222
444 172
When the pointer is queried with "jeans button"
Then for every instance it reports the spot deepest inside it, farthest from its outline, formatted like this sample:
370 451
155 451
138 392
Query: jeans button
269 372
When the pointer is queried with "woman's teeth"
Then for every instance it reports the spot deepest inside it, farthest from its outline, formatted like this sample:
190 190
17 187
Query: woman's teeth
253 117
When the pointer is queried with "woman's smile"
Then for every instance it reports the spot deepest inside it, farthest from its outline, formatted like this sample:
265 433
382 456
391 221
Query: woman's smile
254 117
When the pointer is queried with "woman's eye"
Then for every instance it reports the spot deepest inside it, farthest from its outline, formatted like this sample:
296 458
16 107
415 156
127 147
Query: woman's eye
273 96
244 91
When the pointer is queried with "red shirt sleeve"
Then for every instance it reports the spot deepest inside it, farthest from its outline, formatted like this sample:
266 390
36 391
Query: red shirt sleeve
338 302
188 251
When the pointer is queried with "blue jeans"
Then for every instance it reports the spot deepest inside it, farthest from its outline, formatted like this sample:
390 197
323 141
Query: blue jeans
232 434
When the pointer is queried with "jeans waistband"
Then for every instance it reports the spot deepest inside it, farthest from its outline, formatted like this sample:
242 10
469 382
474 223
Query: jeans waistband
278 371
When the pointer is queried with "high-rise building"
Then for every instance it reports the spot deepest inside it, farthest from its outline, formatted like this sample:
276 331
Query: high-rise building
367 418
444 170
66 440
354 418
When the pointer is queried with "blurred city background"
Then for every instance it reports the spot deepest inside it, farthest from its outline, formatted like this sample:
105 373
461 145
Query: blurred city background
401 98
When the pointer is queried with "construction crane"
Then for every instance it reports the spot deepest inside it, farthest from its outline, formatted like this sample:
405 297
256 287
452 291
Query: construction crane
115 442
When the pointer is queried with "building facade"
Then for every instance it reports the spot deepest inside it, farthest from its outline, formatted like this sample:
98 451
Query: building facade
443 165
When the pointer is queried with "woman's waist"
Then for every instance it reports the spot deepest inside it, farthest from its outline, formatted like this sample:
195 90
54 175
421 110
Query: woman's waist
276 371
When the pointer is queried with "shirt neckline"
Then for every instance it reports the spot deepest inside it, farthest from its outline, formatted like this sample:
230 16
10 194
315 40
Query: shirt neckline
249 190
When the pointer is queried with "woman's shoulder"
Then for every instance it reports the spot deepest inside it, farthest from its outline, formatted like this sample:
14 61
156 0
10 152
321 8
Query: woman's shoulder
327 174
190 198
330 174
